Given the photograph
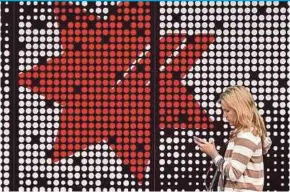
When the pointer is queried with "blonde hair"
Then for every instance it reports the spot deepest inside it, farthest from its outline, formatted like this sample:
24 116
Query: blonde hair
242 102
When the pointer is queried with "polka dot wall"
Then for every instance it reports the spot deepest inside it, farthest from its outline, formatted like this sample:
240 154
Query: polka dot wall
249 48
107 96
5 96
87 130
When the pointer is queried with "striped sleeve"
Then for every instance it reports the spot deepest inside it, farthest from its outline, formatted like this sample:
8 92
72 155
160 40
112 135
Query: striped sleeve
217 158
243 149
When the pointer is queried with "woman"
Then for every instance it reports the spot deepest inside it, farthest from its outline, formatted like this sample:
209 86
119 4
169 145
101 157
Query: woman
242 167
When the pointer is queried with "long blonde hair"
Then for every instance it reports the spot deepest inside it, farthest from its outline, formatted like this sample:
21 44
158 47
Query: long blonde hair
242 102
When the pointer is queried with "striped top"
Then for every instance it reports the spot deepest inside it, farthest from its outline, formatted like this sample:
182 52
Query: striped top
243 168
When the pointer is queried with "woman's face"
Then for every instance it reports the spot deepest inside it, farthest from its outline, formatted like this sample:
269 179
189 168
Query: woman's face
229 114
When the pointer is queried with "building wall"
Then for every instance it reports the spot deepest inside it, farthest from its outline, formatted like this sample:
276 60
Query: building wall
108 96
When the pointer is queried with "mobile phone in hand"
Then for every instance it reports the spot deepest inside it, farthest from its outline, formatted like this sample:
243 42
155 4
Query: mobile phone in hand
198 139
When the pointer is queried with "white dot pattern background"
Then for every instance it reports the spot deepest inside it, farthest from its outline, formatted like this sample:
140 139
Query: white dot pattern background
251 48
5 105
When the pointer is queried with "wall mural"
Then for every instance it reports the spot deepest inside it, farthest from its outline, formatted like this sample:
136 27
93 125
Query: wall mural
108 95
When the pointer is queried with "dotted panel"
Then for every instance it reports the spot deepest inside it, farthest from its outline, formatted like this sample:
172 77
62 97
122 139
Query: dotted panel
205 47
84 91
84 77
5 95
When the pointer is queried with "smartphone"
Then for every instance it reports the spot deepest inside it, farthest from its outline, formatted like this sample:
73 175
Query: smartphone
198 139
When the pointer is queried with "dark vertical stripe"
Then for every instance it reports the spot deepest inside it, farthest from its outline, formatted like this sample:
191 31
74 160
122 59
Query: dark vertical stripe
15 99
154 93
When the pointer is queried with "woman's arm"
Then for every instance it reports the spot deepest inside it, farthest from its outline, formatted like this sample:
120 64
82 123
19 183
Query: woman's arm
242 151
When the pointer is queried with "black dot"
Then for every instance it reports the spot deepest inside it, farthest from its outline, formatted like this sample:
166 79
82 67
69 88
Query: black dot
176 17
169 133
49 154
43 60
112 139
218 24
37 24
176 75
78 46
262 10
189 89
282 83
35 82
42 182
77 160
218 124
106 39
105 183
133 5
91 24
183 118
77 188
283 4
216 97
269 104
21 45
49 104
78 89
140 32
126 24
191 38
119 75
140 146
140 68
254 75
35 139
29 10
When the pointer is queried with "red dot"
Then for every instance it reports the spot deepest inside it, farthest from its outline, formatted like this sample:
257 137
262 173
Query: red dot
133 147
77 147
77 10
63 18
91 17
56 154
140 140
147 147
140 176
133 155
147 18
133 161
126 161
126 148
197 119
147 154
133 169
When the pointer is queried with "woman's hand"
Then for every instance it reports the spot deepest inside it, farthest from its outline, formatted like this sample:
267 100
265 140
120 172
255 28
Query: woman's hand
206 147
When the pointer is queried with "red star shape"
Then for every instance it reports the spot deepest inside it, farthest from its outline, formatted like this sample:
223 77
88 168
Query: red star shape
102 82
177 106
